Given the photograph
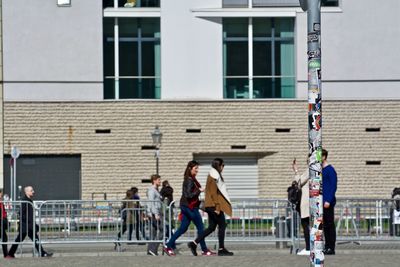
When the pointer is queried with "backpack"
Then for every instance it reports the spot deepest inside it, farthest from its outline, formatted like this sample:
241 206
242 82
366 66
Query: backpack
396 198
294 195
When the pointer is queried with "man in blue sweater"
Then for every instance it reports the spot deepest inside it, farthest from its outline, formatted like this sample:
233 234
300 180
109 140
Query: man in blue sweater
329 186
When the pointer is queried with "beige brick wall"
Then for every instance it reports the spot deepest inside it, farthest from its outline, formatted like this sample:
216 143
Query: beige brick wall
113 162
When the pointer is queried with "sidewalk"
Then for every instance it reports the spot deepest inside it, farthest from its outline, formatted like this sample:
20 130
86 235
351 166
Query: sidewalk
103 255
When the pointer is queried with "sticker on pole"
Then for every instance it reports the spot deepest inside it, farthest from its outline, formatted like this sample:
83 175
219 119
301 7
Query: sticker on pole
15 152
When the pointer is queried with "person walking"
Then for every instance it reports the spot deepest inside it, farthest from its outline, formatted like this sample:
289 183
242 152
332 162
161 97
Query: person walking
217 203
303 182
167 197
154 213
3 226
26 224
189 205
329 186
127 217
139 215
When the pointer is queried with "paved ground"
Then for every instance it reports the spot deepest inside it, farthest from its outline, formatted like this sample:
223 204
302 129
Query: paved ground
375 254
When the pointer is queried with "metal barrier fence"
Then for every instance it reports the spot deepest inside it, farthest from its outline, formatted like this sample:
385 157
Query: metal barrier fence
367 220
14 229
256 221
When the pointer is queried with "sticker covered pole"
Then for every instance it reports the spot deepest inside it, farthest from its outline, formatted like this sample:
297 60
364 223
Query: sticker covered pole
313 8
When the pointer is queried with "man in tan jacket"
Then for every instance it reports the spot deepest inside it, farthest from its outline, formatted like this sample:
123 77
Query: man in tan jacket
217 203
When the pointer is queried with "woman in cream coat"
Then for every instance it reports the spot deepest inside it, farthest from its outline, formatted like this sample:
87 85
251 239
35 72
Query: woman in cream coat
303 182
217 203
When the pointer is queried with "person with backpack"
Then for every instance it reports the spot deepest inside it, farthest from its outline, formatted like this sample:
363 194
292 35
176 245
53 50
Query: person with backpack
126 211
302 182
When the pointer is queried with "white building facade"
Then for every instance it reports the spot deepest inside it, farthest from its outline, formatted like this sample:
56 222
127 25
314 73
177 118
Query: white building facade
240 57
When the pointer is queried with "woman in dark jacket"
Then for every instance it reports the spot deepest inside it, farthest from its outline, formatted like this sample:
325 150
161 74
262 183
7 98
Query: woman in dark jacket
189 205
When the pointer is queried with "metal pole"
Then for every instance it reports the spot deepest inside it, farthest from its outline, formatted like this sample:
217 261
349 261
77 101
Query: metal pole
157 159
14 189
11 178
315 131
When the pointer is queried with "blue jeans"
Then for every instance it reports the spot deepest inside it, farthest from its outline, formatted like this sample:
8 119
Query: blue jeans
188 216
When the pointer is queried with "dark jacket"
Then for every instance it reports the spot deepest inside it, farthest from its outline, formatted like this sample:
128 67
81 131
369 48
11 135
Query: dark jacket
167 193
26 214
190 192
329 184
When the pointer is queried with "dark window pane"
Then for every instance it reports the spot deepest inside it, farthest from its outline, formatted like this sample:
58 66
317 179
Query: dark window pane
109 91
148 3
235 27
138 88
262 27
330 3
128 27
150 27
127 88
148 63
266 88
236 88
108 47
108 57
284 27
262 62
128 58
237 59
274 87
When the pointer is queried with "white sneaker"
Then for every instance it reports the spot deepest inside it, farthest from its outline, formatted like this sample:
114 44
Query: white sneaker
304 252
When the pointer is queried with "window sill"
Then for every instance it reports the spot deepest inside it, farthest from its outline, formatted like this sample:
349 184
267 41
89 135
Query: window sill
132 12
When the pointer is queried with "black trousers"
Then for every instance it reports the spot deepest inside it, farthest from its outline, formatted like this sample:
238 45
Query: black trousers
139 226
329 227
125 227
21 236
214 220
305 223
4 237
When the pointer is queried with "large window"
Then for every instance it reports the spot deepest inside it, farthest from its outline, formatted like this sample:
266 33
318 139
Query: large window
272 3
132 58
259 58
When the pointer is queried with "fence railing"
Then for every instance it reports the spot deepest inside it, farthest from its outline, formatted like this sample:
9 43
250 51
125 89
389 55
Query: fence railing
255 221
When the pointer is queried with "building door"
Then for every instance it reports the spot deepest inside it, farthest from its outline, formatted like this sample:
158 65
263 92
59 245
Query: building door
53 177
240 174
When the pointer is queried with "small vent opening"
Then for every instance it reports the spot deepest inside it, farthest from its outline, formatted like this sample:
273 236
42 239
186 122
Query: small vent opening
238 147
103 131
148 147
282 130
373 162
193 130
372 129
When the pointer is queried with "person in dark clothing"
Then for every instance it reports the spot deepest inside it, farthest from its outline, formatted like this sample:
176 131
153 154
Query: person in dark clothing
27 223
189 205
3 225
329 185
167 197
167 193
127 208
138 214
